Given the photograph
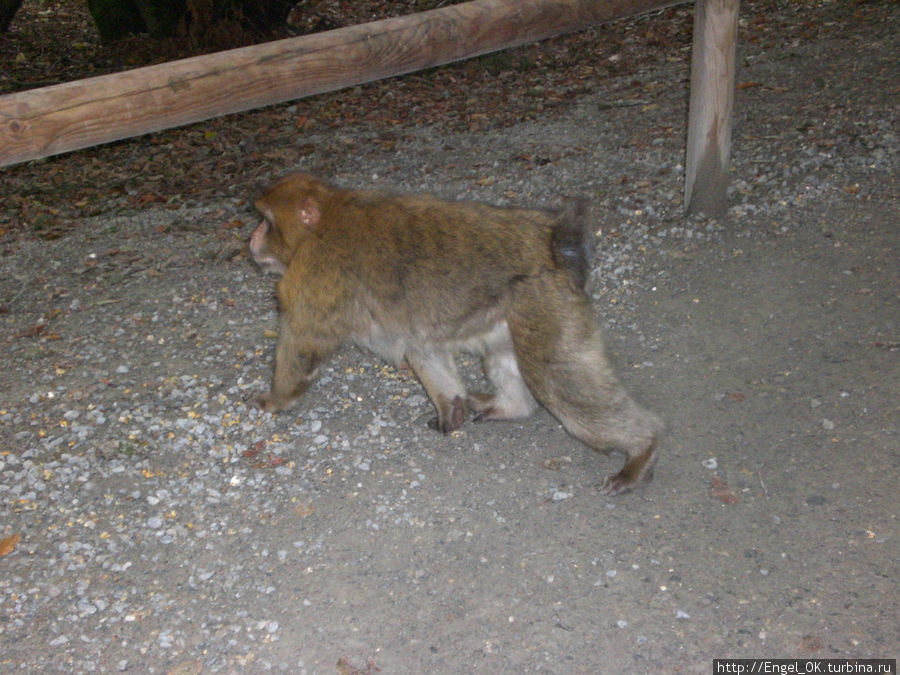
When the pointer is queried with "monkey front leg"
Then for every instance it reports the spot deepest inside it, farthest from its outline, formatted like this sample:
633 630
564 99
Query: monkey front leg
296 366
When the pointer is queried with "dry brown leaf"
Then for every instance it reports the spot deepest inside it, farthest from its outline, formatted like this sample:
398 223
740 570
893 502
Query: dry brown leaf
253 451
187 668
8 544
719 488
346 667
812 643
304 510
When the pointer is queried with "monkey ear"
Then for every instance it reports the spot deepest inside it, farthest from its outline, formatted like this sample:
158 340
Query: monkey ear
309 212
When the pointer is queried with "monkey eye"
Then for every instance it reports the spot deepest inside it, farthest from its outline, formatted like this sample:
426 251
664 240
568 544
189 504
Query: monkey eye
275 234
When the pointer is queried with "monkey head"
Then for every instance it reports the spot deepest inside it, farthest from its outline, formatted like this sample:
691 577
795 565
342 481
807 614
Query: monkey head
291 211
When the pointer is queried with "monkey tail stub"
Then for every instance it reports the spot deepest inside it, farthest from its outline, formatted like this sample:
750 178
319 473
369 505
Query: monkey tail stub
574 242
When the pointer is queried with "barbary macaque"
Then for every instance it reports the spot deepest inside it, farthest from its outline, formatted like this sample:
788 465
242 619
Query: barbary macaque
417 279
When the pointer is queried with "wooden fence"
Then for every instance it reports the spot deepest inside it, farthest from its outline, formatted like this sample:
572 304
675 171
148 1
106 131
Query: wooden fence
65 117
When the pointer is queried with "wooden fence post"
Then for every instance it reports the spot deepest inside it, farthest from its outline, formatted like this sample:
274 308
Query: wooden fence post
711 103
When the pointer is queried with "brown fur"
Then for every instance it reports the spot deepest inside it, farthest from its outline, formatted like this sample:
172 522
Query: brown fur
417 279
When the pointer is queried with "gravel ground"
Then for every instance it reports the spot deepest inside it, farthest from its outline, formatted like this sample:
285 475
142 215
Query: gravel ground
151 521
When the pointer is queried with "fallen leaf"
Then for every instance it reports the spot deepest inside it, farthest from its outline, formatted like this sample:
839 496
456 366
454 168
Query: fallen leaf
270 461
890 346
187 668
33 331
257 448
8 544
811 643
147 198
554 463
345 667
719 488
304 510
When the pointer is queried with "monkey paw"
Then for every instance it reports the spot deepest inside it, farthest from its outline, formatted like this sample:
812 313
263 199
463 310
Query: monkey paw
481 416
615 484
452 419
263 402
483 407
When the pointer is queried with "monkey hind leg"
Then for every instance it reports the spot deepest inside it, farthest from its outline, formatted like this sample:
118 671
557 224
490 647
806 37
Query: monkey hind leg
561 356
512 398
600 413
437 372
623 424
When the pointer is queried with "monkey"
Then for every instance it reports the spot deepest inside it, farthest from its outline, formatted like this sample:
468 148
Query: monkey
417 279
